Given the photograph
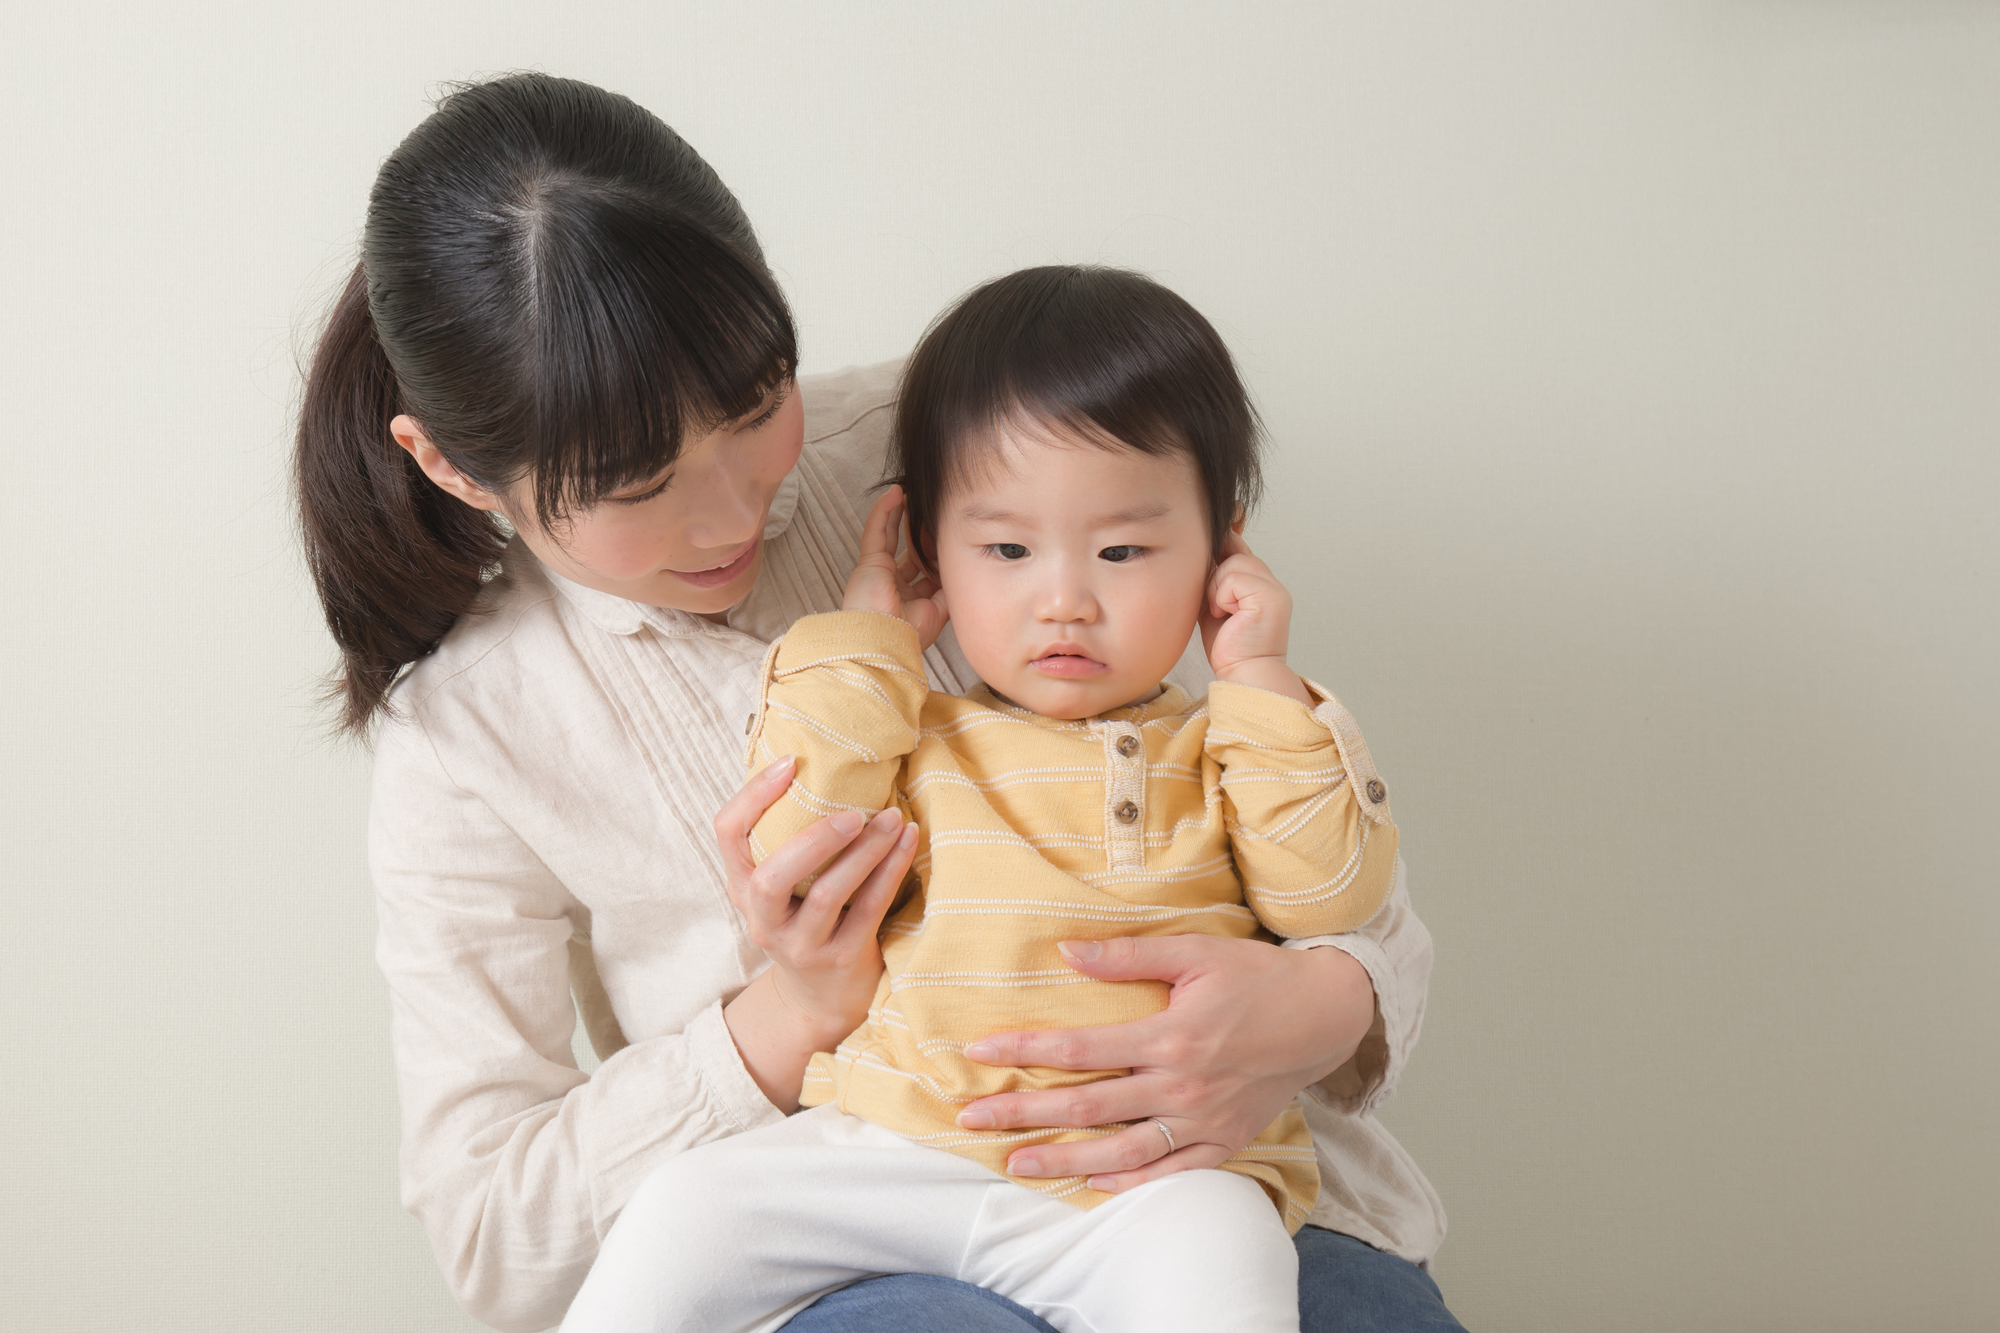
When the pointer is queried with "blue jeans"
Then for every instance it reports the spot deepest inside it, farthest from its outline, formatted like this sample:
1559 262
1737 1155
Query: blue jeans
1344 1287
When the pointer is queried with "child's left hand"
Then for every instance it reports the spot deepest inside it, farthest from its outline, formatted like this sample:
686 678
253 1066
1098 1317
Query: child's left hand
882 583
1246 623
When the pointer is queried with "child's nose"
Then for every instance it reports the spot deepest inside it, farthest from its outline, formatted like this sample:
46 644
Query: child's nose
1067 601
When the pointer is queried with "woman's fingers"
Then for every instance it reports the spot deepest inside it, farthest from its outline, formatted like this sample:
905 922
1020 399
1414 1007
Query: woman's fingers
769 886
740 813
878 535
1105 1102
1192 1158
870 903
1139 1147
819 911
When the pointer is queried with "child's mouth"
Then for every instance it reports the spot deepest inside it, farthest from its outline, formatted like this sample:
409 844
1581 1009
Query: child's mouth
1068 664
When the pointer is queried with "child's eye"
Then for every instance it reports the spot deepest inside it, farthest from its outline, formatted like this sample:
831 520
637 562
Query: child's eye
1118 555
1009 550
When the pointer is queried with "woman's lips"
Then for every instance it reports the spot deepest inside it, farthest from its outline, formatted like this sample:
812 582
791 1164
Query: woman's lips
1068 666
720 574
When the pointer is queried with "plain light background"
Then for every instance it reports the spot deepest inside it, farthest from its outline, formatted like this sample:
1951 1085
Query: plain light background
1633 371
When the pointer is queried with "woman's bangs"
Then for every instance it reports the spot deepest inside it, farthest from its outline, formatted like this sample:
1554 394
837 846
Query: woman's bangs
655 334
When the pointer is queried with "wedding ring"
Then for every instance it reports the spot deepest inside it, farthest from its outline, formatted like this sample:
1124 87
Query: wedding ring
1161 1125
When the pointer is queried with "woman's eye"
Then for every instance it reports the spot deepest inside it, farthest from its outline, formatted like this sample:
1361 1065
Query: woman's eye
1009 550
652 493
1118 555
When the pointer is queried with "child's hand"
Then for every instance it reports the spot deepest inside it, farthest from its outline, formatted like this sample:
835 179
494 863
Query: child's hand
893 587
1246 623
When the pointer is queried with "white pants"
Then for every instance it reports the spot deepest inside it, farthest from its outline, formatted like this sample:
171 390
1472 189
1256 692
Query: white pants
740 1235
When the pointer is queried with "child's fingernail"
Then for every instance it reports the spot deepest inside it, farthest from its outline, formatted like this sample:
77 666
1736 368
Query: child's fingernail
1080 951
848 823
982 1051
1025 1166
974 1118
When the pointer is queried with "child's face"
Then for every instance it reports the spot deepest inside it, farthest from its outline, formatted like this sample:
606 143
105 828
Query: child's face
1074 573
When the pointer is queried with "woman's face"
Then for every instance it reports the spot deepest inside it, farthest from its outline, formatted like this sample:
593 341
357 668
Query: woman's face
692 537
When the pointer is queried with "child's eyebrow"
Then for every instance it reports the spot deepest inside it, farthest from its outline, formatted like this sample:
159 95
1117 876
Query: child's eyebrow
979 513
1139 513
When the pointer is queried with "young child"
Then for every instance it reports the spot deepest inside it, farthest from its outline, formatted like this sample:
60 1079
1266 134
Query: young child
1076 453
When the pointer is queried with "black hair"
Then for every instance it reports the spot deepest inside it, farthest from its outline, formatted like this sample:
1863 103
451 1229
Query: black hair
1108 355
558 289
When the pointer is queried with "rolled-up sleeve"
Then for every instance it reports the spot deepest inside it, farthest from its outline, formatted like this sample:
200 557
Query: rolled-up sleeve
515 1162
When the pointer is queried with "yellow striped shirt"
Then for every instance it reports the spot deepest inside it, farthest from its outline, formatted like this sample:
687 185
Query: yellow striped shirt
1170 817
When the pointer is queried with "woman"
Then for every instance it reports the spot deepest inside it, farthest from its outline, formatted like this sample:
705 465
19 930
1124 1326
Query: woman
562 329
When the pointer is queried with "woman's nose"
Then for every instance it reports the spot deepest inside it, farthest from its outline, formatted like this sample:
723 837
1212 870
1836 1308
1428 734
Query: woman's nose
723 508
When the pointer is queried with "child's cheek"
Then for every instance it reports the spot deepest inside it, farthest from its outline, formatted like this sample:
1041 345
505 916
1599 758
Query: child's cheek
1161 614
986 622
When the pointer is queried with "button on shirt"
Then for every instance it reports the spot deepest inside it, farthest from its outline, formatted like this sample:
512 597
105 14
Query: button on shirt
540 829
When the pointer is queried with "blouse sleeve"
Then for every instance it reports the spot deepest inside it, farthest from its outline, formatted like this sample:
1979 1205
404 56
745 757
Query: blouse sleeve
515 1162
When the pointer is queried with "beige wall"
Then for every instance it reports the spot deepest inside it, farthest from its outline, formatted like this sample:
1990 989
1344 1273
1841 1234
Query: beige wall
1633 374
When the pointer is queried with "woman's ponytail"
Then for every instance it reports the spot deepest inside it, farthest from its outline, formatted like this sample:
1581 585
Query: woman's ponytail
559 289
396 560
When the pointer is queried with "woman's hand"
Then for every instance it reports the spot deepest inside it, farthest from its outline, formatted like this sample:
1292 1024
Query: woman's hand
825 961
894 587
1247 1025
1246 623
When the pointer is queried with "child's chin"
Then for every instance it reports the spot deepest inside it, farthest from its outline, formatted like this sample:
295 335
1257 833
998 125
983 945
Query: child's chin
1067 703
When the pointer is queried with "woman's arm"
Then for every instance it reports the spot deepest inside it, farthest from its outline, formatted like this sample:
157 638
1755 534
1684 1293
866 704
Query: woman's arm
515 1162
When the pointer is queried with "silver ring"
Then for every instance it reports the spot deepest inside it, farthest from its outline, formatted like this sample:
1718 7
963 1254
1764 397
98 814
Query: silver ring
1161 1125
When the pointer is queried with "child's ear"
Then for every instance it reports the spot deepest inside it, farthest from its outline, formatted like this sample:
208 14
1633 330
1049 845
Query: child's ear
1236 524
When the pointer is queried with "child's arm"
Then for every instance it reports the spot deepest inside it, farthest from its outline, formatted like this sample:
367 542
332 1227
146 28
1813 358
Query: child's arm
1308 817
843 692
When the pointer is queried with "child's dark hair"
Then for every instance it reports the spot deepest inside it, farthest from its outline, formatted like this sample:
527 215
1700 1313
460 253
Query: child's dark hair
556 287
1107 355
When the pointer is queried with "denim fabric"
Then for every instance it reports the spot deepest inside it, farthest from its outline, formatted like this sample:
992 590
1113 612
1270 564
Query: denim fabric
1344 1287
1348 1287
914 1303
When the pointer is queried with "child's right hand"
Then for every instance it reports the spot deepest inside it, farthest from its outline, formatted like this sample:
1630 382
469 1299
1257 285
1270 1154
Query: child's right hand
893 587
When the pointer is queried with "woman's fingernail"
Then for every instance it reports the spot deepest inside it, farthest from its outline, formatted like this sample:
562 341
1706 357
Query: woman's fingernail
909 836
974 1118
782 764
1104 1184
1025 1166
889 818
848 823
982 1051
1080 951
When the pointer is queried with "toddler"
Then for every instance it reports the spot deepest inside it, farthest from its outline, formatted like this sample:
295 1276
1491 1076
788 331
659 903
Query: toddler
1076 453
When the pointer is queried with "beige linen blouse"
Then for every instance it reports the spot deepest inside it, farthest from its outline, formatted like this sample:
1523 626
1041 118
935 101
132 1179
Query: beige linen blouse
541 830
